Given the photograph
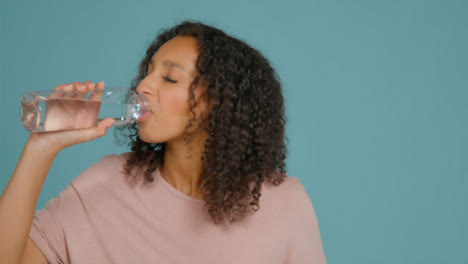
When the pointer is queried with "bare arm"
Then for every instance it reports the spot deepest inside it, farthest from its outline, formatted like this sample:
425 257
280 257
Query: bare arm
18 200
32 254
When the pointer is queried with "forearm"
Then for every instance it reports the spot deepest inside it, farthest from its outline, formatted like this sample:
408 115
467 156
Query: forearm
18 200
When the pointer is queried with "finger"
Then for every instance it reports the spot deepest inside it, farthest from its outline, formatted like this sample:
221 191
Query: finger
66 91
105 124
59 90
82 87
85 135
89 86
78 88
61 86
97 131
97 94
100 85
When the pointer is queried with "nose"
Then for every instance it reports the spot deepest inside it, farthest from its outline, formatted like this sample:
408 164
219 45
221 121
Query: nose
144 89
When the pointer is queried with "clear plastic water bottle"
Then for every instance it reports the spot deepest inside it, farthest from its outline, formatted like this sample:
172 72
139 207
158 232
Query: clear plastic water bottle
69 110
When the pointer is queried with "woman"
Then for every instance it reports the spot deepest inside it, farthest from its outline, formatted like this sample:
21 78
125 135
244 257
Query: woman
189 191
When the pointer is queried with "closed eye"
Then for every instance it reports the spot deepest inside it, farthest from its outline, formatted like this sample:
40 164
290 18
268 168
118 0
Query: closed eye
169 79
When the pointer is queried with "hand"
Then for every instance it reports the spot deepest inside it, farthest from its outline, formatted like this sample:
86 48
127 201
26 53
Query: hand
69 116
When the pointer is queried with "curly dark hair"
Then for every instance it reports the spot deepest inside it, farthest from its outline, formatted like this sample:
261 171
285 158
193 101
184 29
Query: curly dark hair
245 125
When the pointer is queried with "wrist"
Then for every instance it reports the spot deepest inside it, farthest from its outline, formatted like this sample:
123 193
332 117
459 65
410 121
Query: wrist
39 144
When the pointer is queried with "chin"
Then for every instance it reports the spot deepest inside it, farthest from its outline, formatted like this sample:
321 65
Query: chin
153 139
149 136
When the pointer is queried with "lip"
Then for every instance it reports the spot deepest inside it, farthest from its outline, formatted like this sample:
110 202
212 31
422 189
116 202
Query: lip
145 116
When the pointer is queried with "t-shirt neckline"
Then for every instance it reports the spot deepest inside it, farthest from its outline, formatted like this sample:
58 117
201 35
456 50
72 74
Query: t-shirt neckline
175 191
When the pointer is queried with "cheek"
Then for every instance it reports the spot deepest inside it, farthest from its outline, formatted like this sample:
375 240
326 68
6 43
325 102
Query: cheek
174 104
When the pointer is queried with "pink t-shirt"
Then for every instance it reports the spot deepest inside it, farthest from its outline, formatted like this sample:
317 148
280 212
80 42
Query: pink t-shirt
99 218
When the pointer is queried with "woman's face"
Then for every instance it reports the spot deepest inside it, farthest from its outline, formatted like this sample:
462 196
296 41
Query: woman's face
166 87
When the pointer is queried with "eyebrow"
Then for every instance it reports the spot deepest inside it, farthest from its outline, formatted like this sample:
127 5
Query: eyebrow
170 64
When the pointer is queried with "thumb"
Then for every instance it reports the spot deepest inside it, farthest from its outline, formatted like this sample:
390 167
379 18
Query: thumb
97 131
105 124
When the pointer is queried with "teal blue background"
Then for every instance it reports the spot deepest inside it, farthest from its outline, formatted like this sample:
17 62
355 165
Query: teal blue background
376 96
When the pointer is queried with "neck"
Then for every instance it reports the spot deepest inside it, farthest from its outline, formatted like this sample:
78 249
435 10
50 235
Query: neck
182 167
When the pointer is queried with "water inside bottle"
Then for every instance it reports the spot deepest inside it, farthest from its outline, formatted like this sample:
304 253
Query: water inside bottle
69 114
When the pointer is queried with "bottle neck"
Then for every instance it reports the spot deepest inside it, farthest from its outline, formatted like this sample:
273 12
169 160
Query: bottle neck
143 109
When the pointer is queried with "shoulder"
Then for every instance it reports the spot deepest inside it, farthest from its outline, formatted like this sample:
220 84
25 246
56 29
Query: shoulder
112 160
289 195
291 203
109 162
109 166
290 188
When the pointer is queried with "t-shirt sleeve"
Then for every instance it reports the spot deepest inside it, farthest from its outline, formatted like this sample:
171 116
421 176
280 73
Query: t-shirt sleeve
54 228
47 229
305 244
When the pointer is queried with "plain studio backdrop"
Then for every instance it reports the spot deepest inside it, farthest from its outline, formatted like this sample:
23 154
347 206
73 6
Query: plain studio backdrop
376 95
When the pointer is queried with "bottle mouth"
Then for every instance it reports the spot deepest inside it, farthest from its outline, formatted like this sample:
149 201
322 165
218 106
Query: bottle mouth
143 110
